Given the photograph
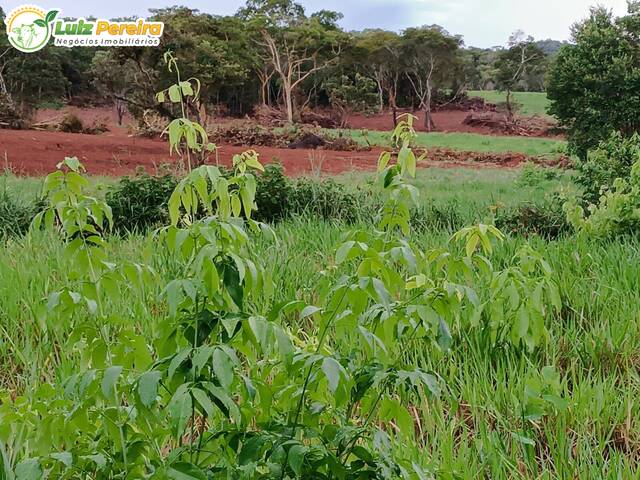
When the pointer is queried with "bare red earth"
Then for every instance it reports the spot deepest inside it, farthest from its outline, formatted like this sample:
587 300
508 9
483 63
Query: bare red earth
35 152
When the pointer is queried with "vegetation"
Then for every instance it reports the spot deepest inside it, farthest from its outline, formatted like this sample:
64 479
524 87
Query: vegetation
471 142
487 393
270 53
591 81
528 103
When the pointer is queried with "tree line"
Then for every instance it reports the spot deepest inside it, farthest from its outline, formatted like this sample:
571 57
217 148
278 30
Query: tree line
271 52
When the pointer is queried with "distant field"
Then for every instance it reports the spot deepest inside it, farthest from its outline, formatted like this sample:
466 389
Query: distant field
533 103
470 142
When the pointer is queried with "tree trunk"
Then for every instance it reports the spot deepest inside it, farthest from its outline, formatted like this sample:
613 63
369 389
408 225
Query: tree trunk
429 124
394 106
509 108
288 102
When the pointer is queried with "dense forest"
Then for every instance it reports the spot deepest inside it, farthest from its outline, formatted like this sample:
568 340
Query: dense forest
274 52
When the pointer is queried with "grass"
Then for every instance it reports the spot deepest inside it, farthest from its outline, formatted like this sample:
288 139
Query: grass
471 142
469 433
532 103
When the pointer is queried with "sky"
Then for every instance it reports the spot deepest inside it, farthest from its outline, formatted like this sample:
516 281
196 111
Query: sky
482 23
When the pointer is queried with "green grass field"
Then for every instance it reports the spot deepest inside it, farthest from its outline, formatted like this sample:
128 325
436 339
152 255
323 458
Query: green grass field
476 428
532 103
472 142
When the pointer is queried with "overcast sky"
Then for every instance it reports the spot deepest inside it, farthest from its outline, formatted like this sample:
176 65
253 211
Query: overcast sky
482 23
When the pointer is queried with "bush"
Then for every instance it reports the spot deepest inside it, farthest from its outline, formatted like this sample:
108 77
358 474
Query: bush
273 194
546 220
617 212
141 202
15 217
612 159
326 199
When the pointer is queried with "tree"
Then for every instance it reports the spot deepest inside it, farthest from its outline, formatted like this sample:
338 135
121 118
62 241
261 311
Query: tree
380 53
113 80
348 95
295 46
432 56
594 82
521 58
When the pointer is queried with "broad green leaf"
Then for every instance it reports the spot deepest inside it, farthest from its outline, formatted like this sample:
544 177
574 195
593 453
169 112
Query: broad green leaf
332 371
109 380
148 387
29 470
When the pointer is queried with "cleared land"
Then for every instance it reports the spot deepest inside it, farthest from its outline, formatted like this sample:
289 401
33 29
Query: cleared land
532 103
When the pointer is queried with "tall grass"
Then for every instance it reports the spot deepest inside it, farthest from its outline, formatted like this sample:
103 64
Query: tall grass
472 142
471 431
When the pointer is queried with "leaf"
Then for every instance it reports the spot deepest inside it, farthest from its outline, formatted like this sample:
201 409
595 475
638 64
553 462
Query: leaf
222 368
51 15
185 471
204 401
174 94
187 90
109 380
98 458
29 470
148 387
331 369
177 361
225 400
40 23
308 311
296 458
343 251
64 457
160 97
180 409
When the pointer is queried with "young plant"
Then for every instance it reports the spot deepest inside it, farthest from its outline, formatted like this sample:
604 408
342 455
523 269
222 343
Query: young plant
187 138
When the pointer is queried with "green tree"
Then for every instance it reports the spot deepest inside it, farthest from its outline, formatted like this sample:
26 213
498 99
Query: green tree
432 57
379 52
594 82
522 58
348 95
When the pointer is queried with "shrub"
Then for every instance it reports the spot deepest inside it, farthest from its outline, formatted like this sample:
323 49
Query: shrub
612 159
544 219
326 199
273 194
617 212
140 202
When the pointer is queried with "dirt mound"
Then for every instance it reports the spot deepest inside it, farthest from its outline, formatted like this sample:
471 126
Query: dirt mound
308 140
466 104
248 133
269 116
521 126
504 159
310 117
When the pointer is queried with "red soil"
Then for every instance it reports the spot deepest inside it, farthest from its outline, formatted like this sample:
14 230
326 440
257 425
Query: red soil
35 152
